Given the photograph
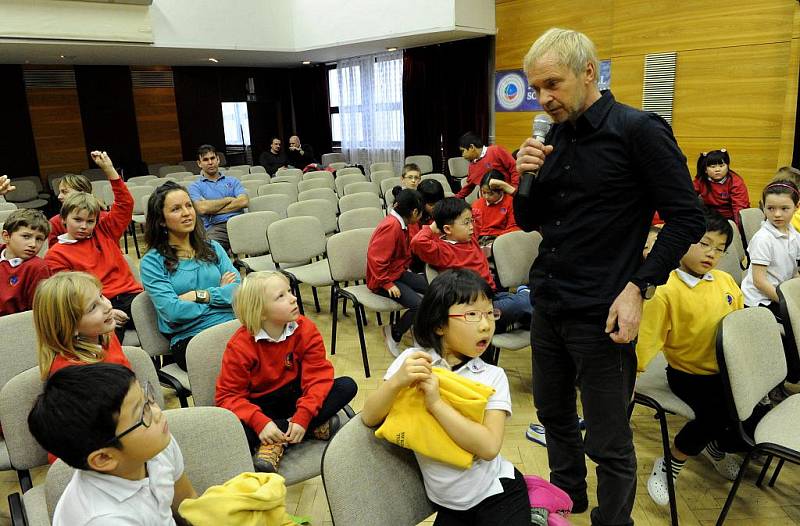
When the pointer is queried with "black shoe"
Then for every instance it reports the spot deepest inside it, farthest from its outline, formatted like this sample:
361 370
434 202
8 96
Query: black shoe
580 504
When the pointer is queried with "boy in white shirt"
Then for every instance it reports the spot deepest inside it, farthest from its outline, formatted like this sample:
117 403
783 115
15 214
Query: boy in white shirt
129 470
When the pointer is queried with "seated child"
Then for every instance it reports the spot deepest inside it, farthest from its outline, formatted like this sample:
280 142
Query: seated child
450 242
389 261
719 187
91 243
792 174
682 320
493 212
102 422
21 269
432 192
774 249
455 325
410 177
275 376
68 185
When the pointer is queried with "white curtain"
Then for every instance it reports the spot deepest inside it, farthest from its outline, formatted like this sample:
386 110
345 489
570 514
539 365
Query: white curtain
371 108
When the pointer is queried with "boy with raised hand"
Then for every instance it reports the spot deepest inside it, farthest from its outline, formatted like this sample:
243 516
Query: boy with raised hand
129 468
21 269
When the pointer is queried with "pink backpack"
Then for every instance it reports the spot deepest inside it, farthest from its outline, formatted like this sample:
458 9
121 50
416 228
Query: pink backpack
543 494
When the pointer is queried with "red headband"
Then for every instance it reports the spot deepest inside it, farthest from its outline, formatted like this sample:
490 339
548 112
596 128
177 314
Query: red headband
783 185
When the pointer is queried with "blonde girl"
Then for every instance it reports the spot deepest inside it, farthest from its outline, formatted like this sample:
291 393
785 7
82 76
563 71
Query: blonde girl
74 323
275 375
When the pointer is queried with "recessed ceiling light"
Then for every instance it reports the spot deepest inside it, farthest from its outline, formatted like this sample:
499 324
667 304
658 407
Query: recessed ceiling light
212 59
61 56
306 62
391 49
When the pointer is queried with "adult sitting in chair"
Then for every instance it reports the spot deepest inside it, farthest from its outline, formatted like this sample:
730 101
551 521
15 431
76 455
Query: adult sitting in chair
215 196
190 279
300 155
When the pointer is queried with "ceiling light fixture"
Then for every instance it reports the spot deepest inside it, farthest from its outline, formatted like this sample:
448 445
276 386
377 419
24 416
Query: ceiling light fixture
391 49
212 59
306 62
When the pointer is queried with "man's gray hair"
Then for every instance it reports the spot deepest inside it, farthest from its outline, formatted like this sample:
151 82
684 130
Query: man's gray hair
573 49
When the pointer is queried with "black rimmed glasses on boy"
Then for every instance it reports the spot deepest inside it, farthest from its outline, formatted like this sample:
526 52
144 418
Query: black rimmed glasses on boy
147 411
475 316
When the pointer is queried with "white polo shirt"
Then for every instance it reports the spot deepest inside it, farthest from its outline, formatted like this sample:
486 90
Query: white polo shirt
460 489
779 252
94 499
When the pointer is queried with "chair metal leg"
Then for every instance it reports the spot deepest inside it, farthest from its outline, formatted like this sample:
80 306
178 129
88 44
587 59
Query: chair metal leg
335 321
360 324
316 299
135 242
25 480
17 510
776 473
363 314
673 503
764 471
734 488
296 288
378 317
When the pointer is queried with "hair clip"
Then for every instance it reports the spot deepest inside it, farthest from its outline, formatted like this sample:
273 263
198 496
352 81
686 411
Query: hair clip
704 154
723 150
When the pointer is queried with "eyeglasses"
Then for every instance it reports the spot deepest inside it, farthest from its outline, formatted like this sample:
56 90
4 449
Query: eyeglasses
467 222
147 412
706 247
474 316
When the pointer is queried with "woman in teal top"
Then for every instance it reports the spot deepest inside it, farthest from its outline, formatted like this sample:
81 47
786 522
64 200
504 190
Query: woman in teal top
189 279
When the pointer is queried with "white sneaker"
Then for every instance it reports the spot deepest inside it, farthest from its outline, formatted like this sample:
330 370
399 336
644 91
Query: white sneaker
657 483
728 466
392 346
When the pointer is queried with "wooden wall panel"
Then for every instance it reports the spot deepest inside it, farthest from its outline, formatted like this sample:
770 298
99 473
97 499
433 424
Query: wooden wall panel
652 26
627 79
57 129
790 103
157 120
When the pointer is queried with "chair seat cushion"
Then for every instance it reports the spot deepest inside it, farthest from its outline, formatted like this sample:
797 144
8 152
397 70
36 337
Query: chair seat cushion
774 428
36 506
316 274
259 263
176 372
5 462
653 384
371 300
512 341
33 203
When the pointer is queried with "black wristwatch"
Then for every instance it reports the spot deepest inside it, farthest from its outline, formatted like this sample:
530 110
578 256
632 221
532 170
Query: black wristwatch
647 290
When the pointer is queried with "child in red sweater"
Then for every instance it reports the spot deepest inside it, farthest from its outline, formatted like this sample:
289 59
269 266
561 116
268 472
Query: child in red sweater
274 375
493 213
719 187
450 242
67 185
389 260
91 243
482 159
21 269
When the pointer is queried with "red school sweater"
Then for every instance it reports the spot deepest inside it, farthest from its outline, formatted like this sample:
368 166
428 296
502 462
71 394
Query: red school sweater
496 219
389 253
727 198
443 255
496 158
252 369
17 284
100 254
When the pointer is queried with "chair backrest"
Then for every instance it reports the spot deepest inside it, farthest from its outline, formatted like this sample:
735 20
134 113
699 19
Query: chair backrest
292 172
204 360
359 200
19 394
184 176
347 254
514 253
134 266
24 191
190 166
362 187
381 175
19 349
789 295
737 245
439 177
141 194
319 174
258 169
99 188
343 180
251 186
270 203
380 167
328 158
138 180
241 167
284 235
247 233
751 219
152 168
287 178
388 198
389 183
287 189
750 356
145 318
322 209
458 166
200 431
312 184
263 177
730 263
7 206
171 169
348 170
7 212
360 218
319 193
425 162
475 194
338 166
94 174
365 476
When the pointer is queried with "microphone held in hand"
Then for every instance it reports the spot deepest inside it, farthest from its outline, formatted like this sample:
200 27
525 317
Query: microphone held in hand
541 126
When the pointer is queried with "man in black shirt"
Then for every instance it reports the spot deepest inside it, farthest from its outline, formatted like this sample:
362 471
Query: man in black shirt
273 158
604 171
300 155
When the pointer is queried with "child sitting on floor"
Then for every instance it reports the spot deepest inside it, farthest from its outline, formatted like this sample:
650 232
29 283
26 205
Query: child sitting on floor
275 376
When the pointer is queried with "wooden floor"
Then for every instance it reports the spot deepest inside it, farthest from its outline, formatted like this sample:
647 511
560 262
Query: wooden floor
701 491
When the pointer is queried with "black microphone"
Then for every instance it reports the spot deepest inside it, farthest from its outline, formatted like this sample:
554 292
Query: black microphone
541 125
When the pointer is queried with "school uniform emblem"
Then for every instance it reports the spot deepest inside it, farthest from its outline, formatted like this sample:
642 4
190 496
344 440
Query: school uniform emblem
13 280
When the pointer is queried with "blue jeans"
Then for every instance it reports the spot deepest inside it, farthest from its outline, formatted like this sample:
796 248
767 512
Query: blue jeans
513 308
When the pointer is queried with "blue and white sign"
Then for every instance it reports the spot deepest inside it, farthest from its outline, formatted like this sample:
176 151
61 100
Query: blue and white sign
512 93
